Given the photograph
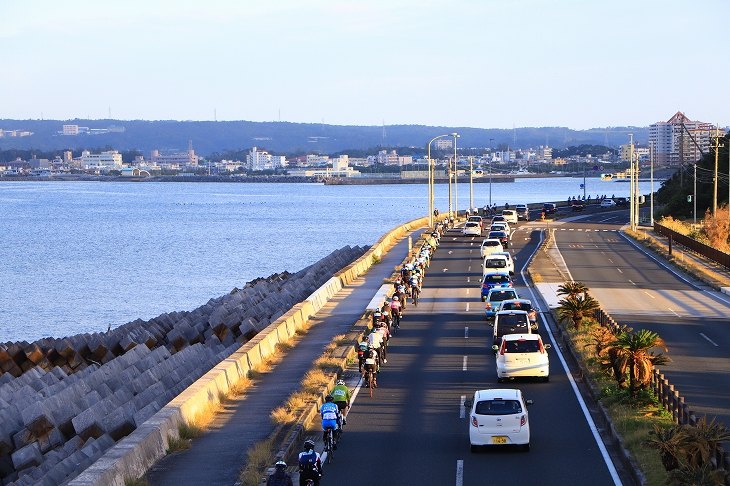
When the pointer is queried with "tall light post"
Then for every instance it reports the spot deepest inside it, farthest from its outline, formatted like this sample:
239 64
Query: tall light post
432 181
471 182
490 173
632 195
651 202
456 177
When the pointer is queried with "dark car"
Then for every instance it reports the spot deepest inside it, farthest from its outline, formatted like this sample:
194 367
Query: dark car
501 236
578 205
621 201
549 208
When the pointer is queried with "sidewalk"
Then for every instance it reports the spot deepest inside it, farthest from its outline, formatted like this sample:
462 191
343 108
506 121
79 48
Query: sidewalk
217 456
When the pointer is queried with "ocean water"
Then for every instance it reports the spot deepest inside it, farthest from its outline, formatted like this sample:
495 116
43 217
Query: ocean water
79 257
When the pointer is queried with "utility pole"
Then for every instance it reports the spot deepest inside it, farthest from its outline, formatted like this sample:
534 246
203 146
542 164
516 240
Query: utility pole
717 147
632 201
471 182
651 203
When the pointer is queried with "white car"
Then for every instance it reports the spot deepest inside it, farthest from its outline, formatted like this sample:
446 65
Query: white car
495 262
490 245
608 203
510 261
498 417
510 215
500 226
522 355
472 228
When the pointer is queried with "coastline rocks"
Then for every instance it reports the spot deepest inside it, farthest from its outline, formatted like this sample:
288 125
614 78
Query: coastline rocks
66 401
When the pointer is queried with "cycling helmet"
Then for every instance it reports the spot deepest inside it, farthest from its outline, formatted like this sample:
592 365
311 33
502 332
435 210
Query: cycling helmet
340 382
280 465
329 398
309 444
395 297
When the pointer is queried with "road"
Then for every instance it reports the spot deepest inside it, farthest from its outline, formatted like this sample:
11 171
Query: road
640 291
414 429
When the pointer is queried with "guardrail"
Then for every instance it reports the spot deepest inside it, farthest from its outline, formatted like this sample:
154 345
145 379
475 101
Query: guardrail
669 398
706 251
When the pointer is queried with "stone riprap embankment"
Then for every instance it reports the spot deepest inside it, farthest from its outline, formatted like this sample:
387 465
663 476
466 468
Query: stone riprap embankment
67 401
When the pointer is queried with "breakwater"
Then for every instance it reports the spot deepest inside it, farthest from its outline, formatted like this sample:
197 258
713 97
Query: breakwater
65 402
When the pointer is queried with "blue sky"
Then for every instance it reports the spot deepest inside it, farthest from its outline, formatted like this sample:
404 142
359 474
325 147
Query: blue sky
487 64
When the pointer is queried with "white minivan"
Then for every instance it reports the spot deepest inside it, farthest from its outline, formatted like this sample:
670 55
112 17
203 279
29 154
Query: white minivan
510 215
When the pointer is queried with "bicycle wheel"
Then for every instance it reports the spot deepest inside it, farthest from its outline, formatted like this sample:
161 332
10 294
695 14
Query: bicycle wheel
370 382
329 446
415 298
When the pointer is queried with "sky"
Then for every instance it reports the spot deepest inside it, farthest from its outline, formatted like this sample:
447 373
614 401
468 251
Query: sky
458 63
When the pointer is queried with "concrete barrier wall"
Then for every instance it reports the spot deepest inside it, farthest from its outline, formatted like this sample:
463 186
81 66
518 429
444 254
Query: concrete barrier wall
134 455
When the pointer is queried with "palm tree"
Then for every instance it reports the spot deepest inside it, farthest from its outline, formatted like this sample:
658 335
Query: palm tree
575 307
670 442
703 475
573 289
631 352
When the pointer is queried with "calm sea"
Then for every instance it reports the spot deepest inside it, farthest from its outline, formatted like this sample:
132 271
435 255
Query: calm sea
82 256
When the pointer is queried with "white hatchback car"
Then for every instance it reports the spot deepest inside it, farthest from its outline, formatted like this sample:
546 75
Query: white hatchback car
522 355
608 203
472 228
510 261
490 245
498 417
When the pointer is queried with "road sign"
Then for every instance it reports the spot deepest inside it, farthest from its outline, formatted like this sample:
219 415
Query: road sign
595 167
582 186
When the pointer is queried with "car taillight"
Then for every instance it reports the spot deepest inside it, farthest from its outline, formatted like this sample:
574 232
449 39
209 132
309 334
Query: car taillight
501 350
489 306
474 422
542 348
510 284
523 421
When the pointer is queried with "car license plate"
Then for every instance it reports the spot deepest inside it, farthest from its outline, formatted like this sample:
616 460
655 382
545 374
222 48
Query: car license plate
523 361
499 439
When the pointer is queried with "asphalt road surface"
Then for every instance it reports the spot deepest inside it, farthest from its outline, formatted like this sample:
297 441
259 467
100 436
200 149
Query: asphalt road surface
414 430
643 292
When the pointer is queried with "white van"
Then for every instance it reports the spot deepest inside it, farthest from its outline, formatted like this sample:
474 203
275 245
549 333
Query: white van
510 267
510 215
495 263
490 245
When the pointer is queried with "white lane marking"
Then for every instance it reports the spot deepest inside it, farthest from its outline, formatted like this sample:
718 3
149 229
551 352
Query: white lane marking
463 365
467 304
462 409
672 310
446 269
647 293
603 253
468 279
450 252
466 332
596 436
459 473
619 270
610 260
710 340
469 269
632 283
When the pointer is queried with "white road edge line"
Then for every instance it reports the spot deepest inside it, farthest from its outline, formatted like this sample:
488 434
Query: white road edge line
462 408
596 436
467 304
460 473
710 340
647 293
466 332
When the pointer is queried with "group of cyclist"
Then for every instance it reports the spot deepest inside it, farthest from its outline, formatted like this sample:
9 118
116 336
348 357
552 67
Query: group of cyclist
372 351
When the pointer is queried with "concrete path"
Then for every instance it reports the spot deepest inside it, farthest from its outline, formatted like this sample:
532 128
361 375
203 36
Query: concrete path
216 457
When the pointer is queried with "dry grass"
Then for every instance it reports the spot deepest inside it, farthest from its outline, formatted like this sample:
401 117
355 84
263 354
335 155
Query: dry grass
298 399
258 459
314 380
238 388
264 367
280 415
327 362
176 445
283 347
341 340
136 482
190 431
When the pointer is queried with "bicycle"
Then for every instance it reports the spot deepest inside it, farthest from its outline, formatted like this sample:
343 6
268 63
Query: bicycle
369 379
329 444
416 291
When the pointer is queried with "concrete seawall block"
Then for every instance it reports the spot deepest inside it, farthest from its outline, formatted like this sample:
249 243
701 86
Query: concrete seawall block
38 419
88 424
26 457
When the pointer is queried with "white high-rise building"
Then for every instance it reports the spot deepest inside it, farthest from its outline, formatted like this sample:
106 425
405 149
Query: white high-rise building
112 159
680 140
261 160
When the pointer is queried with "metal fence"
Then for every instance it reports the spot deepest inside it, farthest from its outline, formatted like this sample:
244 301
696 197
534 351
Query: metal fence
669 397
698 247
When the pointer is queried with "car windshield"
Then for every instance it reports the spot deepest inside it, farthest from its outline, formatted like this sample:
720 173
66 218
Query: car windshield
471 224
498 407
531 346
517 306
491 243
512 320
501 295
497 234
496 278
496 263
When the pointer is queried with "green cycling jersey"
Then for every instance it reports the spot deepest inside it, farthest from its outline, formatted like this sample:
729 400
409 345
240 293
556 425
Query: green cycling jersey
341 393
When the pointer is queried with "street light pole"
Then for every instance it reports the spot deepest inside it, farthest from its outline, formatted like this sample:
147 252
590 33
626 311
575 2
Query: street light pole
651 203
456 178
471 182
490 173
432 182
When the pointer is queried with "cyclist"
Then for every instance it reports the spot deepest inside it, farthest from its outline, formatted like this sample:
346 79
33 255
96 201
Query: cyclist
342 399
384 338
377 317
375 339
280 477
395 311
362 349
310 465
330 419
371 364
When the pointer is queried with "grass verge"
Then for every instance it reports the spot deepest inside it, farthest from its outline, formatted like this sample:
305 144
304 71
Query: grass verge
136 482
258 459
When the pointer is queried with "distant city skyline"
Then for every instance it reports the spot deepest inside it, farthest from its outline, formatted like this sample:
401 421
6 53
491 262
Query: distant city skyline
468 63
